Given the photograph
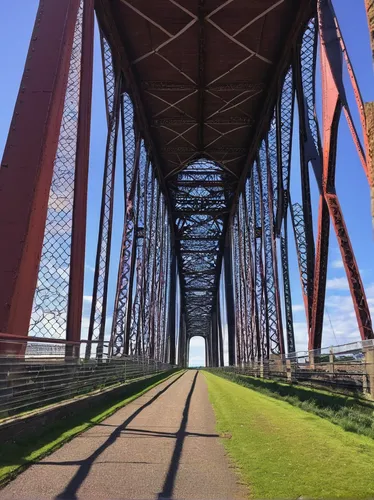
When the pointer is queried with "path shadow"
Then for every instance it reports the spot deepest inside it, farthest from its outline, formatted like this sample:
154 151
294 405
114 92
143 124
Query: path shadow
181 434
70 491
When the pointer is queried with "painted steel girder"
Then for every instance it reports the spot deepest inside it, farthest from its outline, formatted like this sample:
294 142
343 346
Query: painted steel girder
274 324
122 306
303 84
112 86
284 123
311 150
332 105
284 114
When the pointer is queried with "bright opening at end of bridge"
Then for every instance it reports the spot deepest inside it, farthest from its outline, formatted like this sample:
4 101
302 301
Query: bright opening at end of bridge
197 352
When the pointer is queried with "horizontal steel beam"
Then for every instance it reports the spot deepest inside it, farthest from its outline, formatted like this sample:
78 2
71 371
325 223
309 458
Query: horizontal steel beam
189 150
230 120
213 251
213 213
199 238
182 87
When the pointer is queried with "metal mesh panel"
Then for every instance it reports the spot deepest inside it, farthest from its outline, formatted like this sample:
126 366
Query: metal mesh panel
49 312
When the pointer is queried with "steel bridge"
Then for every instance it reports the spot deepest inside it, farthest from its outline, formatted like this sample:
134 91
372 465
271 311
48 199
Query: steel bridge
203 100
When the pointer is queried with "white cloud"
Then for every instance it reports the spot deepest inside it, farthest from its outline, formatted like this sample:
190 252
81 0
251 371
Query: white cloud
87 298
89 268
298 307
340 323
337 264
337 284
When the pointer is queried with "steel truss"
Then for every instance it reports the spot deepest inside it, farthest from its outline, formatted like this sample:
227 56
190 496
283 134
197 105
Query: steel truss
267 198
203 222
201 196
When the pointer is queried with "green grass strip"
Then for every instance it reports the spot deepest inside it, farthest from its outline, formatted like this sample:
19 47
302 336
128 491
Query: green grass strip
284 452
15 457
352 414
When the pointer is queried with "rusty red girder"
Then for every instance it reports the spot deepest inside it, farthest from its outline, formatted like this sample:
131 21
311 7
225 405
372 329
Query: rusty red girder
334 100
23 224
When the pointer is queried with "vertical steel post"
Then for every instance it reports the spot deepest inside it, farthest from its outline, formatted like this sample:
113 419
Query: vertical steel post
229 289
171 312
78 238
129 296
27 165
220 336
207 357
305 187
214 336
182 340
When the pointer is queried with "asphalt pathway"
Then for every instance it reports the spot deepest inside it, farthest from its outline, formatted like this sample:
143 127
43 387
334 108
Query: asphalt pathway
162 445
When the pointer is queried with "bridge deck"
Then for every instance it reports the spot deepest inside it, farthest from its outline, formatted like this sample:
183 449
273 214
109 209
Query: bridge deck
162 445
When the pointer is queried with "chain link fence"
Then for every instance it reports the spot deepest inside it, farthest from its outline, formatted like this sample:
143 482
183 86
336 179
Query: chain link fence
48 372
347 368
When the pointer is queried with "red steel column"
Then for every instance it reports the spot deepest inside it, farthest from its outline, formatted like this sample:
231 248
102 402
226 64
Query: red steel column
78 241
27 164
369 112
331 111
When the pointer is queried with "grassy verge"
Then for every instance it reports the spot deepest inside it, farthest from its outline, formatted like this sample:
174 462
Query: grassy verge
352 414
284 452
15 457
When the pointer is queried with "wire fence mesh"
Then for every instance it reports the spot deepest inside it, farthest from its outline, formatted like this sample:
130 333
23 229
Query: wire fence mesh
48 373
347 368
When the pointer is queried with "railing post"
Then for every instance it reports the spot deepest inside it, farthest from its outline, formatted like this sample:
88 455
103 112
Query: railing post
331 361
369 371
289 370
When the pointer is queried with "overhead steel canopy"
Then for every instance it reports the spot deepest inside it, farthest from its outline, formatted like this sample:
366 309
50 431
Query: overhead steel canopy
203 75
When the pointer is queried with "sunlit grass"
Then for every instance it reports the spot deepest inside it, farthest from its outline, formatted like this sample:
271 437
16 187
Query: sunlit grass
352 414
284 452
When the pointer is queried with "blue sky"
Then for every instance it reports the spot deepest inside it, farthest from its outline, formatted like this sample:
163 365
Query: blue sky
16 24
